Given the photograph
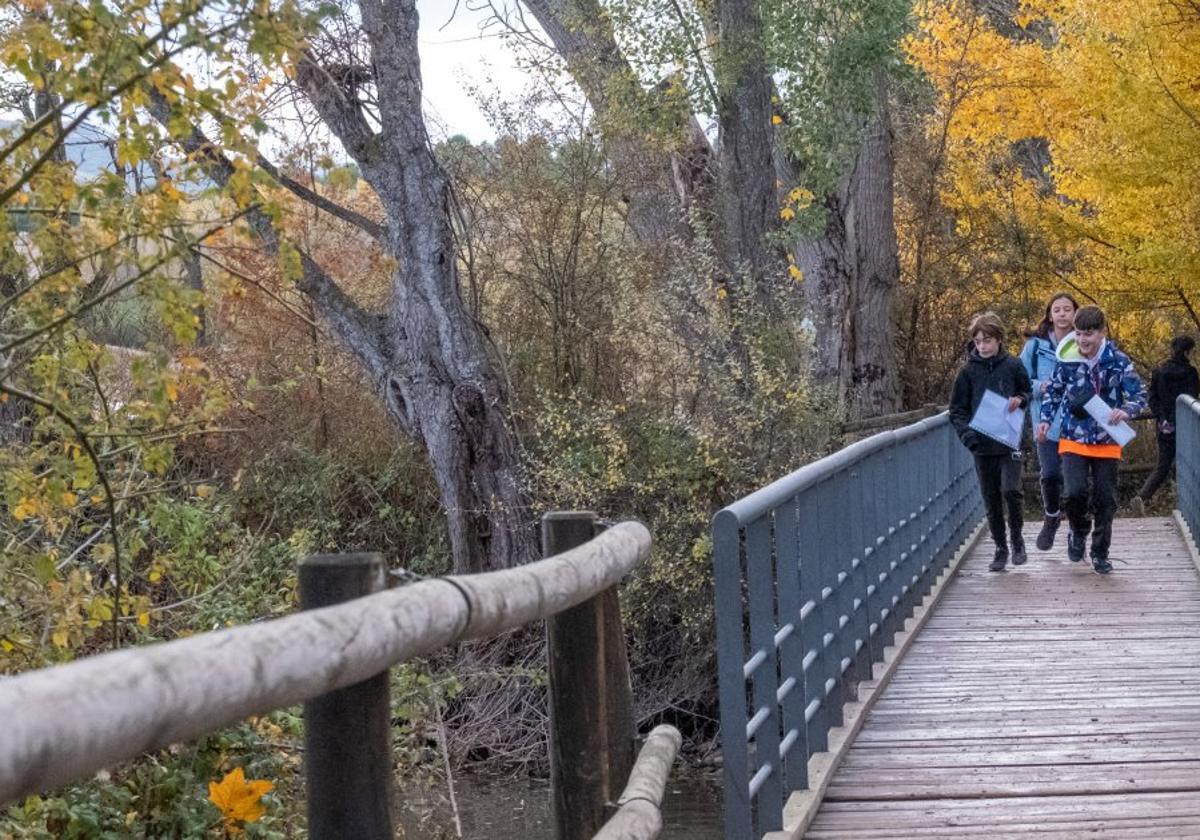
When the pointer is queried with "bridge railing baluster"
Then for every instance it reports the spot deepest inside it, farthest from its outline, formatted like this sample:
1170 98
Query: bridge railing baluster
837 555
791 650
1187 470
811 632
764 726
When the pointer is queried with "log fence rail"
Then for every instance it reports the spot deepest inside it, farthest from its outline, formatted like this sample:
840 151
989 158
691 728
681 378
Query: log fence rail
66 722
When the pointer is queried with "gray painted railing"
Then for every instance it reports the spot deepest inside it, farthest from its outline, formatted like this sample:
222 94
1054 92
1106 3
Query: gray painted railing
814 576
1187 463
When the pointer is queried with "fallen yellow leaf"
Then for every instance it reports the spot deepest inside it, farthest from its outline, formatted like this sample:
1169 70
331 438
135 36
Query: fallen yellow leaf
237 799
25 508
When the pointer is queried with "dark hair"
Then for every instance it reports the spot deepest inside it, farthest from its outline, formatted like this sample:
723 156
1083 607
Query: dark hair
989 324
1042 330
1181 345
1090 318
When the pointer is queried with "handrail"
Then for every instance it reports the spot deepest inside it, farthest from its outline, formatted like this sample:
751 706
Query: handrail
639 812
749 508
1187 470
814 574
68 721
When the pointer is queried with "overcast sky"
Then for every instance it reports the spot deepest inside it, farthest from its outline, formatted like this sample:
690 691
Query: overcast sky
457 52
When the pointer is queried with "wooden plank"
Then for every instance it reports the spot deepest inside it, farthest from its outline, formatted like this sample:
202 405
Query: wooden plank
1020 711
1172 828
802 805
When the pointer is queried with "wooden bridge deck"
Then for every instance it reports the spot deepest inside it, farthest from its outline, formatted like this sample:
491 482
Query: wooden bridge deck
1045 700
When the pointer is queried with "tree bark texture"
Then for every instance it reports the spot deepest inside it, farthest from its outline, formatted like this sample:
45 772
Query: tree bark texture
746 194
851 269
424 354
852 274
438 380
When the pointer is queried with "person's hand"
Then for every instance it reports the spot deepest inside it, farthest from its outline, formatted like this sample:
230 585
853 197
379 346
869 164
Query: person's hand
1045 386
1043 429
1014 403
1117 416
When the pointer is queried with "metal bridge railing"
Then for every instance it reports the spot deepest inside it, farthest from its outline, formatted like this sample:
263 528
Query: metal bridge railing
814 576
1187 463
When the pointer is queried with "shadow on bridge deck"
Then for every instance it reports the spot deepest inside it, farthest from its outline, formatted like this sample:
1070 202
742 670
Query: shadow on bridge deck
1043 700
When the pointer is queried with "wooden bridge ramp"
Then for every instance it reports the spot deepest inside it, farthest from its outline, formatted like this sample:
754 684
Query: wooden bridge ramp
1045 700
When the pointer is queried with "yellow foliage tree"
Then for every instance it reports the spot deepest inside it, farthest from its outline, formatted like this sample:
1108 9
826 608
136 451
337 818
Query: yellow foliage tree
1077 121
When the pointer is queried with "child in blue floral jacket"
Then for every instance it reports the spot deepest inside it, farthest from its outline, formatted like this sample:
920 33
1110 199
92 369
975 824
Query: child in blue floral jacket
1089 365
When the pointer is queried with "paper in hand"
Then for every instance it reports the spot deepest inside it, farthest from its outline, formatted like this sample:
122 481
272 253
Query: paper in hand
1121 432
993 419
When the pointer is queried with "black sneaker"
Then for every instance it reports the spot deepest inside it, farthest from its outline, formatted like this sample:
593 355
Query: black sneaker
1018 553
1076 543
1045 537
999 561
1101 565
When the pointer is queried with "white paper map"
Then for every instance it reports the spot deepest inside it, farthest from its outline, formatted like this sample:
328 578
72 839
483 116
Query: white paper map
1122 432
993 419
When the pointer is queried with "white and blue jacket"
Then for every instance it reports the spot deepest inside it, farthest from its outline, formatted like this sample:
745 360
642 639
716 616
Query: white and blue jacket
1110 376
1039 357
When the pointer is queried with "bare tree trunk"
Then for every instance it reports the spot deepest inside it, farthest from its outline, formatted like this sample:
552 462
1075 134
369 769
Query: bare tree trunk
195 280
870 357
425 354
851 269
746 193
852 274
437 379
659 183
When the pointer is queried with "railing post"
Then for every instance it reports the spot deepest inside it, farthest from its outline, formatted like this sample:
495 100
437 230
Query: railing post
731 658
347 733
591 702
1185 469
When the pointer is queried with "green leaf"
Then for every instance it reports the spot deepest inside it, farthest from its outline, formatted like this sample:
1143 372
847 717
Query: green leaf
44 568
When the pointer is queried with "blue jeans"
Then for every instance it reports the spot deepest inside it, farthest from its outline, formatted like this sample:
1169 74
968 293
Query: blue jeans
1050 469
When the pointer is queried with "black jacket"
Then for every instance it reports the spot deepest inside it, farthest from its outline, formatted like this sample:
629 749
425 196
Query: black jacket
1001 373
1170 379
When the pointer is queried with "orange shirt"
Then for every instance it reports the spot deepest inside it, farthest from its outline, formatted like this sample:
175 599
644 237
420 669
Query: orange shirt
1090 450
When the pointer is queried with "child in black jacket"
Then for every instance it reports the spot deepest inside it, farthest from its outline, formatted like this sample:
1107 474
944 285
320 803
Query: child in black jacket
1169 380
989 367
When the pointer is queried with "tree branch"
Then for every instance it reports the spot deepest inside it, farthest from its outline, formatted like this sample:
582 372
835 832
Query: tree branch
359 330
342 112
102 475
374 229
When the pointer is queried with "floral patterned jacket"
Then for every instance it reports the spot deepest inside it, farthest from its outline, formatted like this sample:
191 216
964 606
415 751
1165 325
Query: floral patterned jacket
1074 381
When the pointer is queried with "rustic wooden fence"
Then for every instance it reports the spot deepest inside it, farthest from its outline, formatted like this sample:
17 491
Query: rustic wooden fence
66 722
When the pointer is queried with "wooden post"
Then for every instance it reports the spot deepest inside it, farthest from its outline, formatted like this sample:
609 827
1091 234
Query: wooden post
591 703
347 733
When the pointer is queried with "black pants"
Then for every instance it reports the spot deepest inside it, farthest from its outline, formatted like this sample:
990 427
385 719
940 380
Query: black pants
1098 500
1000 484
1166 459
